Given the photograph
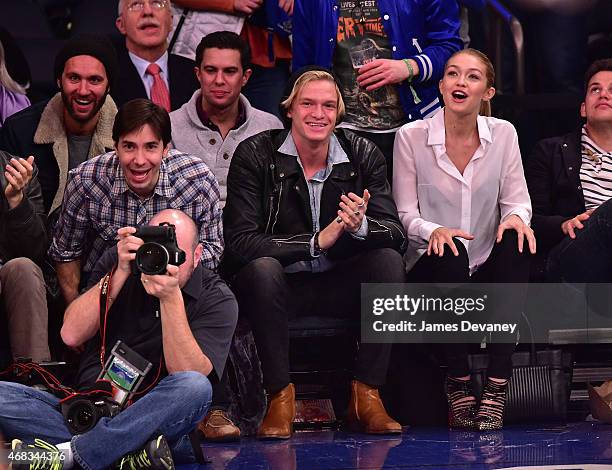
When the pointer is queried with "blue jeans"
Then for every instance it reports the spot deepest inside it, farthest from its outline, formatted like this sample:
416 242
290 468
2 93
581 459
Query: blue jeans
173 408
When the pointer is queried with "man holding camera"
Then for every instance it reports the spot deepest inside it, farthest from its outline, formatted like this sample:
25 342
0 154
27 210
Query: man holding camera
125 188
180 321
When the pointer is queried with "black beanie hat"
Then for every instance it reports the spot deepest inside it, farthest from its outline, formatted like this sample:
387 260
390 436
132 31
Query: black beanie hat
99 47
291 83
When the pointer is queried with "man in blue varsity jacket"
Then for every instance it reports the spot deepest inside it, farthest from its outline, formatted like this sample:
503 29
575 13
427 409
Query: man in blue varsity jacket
388 56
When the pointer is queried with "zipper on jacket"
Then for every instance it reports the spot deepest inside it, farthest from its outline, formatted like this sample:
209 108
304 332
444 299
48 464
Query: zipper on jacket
270 208
280 194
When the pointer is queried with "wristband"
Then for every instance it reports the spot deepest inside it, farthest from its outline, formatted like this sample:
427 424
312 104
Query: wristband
410 69
317 249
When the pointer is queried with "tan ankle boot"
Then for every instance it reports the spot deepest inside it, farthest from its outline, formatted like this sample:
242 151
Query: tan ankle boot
367 413
278 423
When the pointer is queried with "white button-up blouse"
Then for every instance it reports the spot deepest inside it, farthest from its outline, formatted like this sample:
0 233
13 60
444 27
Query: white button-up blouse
430 192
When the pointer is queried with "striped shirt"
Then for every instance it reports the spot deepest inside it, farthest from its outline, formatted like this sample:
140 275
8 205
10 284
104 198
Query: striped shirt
595 172
98 202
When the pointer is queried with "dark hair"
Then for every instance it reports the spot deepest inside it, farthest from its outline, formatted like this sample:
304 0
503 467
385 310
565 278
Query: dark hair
224 40
601 65
134 114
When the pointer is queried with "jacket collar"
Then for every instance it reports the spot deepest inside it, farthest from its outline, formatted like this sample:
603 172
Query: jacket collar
51 126
289 163
51 131
335 154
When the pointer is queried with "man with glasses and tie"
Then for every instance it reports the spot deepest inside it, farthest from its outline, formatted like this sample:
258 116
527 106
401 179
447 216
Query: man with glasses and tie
146 68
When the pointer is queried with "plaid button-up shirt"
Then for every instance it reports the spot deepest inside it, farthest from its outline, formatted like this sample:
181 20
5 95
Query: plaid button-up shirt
98 202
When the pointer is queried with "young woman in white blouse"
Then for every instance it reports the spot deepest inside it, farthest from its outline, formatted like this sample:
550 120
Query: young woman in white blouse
462 199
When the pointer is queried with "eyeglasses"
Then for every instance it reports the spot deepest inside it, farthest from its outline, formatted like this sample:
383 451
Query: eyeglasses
138 5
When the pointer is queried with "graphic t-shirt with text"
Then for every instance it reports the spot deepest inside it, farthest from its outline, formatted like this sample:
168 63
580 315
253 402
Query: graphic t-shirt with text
361 39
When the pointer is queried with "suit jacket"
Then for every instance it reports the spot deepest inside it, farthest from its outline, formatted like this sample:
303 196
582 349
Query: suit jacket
129 86
553 179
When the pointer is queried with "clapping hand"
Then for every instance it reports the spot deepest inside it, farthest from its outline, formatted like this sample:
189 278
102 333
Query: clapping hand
18 174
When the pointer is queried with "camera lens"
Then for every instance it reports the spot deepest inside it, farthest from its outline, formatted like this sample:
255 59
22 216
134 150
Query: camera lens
152 258
82 416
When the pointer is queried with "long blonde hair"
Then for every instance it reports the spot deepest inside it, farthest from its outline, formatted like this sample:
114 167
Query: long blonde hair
485 106
5 79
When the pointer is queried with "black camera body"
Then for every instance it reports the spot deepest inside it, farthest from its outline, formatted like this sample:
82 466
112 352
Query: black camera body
82 414
117 383
159 249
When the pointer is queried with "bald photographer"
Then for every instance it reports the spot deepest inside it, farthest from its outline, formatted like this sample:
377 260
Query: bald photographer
155 296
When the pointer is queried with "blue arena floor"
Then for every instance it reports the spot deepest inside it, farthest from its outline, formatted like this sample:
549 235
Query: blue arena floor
584 446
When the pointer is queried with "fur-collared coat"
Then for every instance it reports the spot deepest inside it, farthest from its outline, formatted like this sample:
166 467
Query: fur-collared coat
39 130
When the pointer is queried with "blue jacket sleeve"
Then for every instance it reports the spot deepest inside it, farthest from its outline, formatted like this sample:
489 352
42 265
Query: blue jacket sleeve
441 38
475 4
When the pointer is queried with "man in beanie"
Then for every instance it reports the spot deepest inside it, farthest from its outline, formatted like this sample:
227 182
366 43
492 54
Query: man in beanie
298 240
147 69
75 124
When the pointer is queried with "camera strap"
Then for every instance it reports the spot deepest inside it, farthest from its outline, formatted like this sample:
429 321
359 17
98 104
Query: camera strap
104 301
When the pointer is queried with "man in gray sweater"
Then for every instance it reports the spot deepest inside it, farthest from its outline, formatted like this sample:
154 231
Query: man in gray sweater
210 126
217 117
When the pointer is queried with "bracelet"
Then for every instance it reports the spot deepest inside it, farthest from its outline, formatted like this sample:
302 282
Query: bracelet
317 249
410 69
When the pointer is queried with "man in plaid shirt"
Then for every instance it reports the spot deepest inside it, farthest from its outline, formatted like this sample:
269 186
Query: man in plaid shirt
127 187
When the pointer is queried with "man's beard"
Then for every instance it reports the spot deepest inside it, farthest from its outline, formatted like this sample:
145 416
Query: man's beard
80 118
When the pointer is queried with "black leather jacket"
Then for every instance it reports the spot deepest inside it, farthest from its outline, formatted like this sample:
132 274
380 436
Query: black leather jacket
268 204
22 229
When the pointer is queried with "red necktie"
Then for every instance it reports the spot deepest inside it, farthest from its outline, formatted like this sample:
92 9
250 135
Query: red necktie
159 91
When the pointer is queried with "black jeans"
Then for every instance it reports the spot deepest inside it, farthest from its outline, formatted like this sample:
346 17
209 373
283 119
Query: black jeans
504 265
269 297
586 258
220 397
